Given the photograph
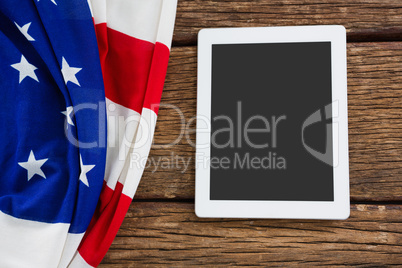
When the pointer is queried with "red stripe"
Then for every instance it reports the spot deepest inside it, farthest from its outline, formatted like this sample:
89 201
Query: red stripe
101 36
156 77
109 215
134 72
132 68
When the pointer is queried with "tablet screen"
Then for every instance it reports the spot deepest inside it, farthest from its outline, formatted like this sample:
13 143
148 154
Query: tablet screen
271 129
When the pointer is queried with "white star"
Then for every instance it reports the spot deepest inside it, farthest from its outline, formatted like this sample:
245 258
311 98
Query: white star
84 170
24 30
33 166
25 69
53 1
69 72
67 113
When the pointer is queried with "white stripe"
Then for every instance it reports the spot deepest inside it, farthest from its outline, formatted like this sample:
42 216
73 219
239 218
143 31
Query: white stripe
143 19
79 262
122 124
166 22
139 18
70 247
98 9
140 151
29 243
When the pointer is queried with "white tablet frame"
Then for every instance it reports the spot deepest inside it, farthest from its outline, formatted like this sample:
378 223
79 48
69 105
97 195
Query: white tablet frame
340 207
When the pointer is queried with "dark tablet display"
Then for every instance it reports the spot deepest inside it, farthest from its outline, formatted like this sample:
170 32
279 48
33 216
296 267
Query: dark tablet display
264 98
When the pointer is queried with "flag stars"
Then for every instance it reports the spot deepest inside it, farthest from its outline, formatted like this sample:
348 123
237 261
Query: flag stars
69 72
26 69
24 30
69 110
84 170
33 166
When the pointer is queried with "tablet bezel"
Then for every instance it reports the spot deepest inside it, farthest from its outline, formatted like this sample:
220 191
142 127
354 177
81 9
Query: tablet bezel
340 207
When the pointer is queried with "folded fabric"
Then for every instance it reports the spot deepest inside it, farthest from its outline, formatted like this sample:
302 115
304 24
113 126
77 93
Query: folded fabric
78 108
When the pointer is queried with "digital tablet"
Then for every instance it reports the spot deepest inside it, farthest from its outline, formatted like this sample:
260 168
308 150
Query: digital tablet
272 125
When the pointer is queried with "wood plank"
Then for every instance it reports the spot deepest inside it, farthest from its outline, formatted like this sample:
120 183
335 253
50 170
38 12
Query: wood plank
375 125
373 20
169 234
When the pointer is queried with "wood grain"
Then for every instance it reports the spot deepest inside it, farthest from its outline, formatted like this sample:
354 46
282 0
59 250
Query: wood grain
161 228
169 234
375 125
371 20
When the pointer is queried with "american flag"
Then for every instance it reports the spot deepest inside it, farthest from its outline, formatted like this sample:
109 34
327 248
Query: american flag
80 86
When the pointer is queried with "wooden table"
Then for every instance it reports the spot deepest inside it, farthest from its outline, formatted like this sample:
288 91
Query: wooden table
161 228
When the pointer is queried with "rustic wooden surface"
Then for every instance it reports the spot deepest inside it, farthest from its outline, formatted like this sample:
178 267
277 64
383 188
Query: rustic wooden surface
170 235
161 228
364 20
